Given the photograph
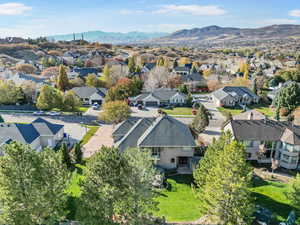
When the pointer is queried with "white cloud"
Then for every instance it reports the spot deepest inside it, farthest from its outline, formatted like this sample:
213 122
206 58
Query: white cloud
131 12
198 10
13 8
295 13
279 21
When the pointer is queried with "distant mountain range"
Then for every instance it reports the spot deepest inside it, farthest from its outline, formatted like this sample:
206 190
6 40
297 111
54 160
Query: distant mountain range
214 34
109 37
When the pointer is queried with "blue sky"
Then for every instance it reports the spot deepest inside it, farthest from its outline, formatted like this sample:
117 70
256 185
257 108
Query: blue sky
42 17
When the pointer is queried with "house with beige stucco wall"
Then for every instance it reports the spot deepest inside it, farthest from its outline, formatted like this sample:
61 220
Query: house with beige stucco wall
171 141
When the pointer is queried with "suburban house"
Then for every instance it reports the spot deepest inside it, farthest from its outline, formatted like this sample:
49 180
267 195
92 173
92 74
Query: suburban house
250 115
170 140
148 67
268 139
194 80
90 95
38 134
182 70
161 96
83 72
232 96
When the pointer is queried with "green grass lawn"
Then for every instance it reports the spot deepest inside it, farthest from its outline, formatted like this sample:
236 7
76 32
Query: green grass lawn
92 130
82 109
263 108
179 111
273 195
226 111
178 203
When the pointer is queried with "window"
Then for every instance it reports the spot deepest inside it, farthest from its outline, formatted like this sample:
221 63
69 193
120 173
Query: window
172 160
156 152
248 155
294 160
248 143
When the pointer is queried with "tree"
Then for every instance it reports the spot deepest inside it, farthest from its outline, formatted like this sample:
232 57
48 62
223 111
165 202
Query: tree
157 77
1 119
78 153
184 89
10 93
254 87
32 186
201 120
26 68
106 76
62 80
184 61
175 64
117 187
29 89
115 111
71 102
294 192
49 98
93 81
223 185
131 65
288 97
174 81
207 73
66 158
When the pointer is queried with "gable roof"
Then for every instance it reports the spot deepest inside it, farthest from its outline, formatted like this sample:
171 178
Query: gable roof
85 71
233 91
266 130
149 66
27 133
87 92
162 94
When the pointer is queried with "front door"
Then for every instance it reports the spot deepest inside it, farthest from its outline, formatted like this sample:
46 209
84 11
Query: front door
183 162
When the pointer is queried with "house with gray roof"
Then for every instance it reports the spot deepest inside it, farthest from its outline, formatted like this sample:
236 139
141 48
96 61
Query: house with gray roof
90 95
160 96
229 96
170 140
38 134
268 139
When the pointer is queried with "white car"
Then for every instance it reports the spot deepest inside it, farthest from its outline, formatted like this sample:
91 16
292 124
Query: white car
38 113
53 113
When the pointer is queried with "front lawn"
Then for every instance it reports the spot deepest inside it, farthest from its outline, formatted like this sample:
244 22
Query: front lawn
92 130
263 108
178 202
226 111
179 111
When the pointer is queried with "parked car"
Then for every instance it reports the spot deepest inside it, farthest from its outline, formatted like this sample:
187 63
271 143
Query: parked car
140 107
53 113
96 106
38 113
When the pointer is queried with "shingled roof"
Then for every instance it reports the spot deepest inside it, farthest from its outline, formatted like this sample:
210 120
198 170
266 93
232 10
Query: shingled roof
266 130
163 131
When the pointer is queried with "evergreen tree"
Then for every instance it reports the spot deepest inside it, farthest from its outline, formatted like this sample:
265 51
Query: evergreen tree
131 65
223 183
32 186
66 158
201 120
175 64
1 119
194 69
117 187
62 80
294 192
78 153
254 87
49 98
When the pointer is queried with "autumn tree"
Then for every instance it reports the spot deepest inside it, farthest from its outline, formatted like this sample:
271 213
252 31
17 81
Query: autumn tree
115 111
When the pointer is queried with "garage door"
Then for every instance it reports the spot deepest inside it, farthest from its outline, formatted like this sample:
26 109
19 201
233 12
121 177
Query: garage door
97 101
151 104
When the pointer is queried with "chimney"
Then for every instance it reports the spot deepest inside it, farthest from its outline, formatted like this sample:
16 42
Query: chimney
250 116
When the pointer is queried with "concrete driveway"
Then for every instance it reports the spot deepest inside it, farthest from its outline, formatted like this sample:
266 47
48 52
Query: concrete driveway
75 130
215 124
103 137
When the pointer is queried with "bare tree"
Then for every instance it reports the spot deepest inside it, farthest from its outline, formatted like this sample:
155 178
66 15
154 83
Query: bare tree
158 77
117 72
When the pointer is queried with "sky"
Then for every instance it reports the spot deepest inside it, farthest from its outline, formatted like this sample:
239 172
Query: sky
34 18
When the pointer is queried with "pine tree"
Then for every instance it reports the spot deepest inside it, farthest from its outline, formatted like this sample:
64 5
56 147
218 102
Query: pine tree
62 80
201 120
66 158
131 65
254 87
224 180
294 192
78 153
